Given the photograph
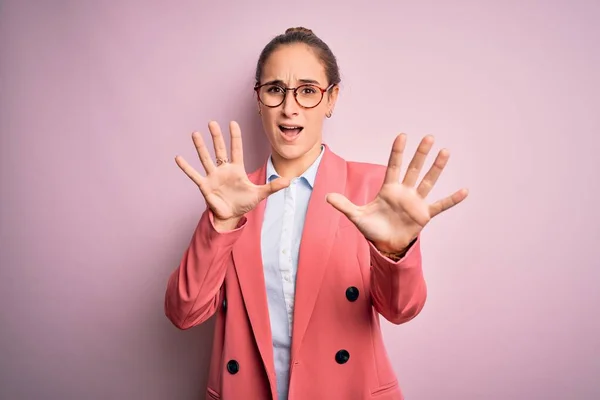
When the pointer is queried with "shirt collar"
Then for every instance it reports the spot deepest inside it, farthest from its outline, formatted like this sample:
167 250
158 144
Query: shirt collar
310 175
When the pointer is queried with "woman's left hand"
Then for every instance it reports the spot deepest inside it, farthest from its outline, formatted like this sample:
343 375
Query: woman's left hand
399 211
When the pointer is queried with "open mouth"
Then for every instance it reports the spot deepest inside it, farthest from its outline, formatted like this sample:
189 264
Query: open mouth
290 131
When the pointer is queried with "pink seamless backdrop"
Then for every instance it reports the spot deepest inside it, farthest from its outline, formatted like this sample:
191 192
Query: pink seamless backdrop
96 99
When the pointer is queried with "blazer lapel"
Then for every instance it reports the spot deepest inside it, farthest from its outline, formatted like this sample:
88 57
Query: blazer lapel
248 263
320 226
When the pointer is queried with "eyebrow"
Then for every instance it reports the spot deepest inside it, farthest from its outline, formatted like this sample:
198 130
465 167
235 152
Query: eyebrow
303 81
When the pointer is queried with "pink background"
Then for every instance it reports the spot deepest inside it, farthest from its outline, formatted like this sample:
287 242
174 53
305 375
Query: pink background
98 97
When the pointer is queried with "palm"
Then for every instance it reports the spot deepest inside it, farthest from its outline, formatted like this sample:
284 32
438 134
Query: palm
226 188
399 211
229 193
395 206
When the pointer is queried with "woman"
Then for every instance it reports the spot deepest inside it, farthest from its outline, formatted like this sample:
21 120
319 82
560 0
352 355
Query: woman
300 257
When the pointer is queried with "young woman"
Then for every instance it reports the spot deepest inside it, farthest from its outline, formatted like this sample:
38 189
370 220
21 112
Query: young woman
299 258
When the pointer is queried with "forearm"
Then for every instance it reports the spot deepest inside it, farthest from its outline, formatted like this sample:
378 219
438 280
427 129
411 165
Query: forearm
398 288
192 294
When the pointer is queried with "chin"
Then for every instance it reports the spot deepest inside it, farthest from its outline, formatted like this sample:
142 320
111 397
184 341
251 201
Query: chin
292 145
290 151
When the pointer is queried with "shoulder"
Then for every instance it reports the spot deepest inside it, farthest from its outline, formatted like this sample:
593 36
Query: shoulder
363 180
365 173
362 173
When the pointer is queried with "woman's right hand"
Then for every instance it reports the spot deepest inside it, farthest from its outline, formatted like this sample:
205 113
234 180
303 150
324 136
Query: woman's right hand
226 188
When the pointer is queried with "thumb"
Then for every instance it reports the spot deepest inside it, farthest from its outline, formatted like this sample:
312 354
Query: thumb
274 186
342 204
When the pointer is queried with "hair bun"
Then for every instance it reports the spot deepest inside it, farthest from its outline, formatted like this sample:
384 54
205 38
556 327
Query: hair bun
299 29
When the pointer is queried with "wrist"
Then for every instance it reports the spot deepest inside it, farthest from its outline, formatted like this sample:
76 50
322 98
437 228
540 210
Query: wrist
389 249
394 256
394 252
224 225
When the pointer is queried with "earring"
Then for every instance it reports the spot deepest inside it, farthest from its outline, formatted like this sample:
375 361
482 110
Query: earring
329 114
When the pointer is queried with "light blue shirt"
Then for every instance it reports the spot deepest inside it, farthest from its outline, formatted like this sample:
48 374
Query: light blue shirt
280 241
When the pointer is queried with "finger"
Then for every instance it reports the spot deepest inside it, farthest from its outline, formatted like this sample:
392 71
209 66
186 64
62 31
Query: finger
342 204
414 168
218 141
434 173
448 202
203 154
392 173
237 152
274 186
190 171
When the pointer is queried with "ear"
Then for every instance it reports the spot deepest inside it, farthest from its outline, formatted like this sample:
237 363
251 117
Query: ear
258 107
332 97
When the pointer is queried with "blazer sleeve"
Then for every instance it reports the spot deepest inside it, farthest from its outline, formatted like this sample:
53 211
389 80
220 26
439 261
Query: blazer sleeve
398 289
193 289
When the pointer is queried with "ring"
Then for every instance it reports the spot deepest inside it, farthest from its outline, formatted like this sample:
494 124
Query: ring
221 161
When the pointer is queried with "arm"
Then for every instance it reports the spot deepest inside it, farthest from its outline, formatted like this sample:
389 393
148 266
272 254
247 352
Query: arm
397 215
398 288
193 289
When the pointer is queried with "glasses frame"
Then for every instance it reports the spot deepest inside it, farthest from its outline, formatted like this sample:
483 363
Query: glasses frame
295 90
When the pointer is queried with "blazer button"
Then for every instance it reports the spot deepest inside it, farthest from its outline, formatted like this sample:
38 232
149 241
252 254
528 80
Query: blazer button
233 367
224 304
342 357
352 293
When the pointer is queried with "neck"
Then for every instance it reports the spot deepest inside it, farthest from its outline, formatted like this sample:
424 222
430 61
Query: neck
296 167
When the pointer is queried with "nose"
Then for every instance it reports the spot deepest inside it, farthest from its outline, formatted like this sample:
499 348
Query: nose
290 106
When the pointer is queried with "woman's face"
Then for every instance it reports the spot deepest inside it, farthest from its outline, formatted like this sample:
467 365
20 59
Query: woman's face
295 132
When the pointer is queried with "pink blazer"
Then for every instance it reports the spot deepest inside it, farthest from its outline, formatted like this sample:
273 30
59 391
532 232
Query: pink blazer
343 285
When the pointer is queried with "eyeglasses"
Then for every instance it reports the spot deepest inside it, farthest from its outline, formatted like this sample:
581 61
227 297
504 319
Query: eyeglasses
307 95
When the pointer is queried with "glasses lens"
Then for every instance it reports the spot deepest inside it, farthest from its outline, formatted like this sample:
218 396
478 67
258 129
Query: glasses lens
271 95
308 96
